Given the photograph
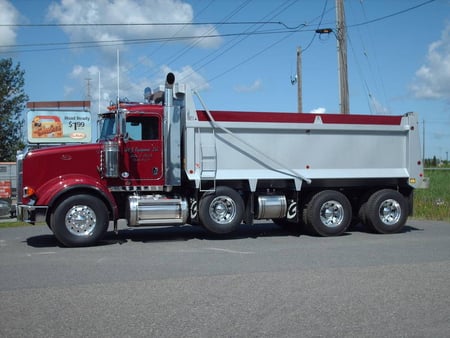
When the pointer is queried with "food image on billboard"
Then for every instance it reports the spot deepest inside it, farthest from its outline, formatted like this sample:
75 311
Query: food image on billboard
44 126
59 126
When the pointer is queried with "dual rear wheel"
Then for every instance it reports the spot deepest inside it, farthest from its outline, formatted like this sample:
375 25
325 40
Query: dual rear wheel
329 212
386 211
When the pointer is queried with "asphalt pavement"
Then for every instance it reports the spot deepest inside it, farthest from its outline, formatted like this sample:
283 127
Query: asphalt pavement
260 282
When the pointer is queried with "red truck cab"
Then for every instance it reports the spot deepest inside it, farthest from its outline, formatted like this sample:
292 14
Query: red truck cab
127 157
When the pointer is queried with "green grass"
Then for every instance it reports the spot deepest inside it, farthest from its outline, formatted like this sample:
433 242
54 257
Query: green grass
10 224
434 203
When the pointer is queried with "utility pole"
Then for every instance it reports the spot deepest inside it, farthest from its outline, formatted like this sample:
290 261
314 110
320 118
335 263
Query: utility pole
423 141
341 36
299 80
88 89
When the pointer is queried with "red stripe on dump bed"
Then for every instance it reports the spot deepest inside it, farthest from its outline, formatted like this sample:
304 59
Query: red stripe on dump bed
236 116
361 119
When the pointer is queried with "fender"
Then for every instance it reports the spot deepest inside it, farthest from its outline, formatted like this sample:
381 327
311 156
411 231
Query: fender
49 192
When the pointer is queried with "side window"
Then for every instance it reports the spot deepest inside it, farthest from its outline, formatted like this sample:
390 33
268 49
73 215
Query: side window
143 128
150 128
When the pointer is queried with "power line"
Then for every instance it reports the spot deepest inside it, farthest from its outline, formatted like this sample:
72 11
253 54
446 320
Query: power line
186 49
80 44
105 43
273 13
324 11
280 9
247 59
373 67
212 23
223 22
161 45
392 14
282 28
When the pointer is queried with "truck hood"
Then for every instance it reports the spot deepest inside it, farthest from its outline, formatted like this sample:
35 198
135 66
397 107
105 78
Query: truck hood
42 165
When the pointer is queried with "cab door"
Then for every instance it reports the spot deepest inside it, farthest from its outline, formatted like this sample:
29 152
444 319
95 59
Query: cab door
143 151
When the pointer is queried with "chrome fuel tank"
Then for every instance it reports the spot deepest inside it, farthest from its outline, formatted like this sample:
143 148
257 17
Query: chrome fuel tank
156 210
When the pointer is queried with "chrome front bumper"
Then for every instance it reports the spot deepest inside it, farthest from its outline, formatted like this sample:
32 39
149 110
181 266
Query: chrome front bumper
31 214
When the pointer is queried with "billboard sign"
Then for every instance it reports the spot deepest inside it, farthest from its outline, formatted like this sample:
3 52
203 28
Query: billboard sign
5 189
59 126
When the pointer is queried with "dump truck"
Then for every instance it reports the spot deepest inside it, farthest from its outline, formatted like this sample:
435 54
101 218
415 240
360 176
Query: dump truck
163 162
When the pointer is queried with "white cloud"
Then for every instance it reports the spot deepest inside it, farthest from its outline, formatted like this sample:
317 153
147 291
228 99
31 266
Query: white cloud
128 12
8 16
319 110
432 80
107 92
377 107
254 87
132 84
77 70
68 91
186 76
129 87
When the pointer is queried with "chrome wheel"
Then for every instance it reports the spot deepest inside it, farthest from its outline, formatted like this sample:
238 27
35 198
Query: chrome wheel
80 220
386 211
390 212
328 213
332 214
222 209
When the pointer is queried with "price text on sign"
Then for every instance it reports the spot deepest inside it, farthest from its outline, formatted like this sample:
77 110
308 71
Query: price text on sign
77 125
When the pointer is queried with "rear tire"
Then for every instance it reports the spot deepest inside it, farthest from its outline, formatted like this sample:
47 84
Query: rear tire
79 220
221 211
328 213
386 211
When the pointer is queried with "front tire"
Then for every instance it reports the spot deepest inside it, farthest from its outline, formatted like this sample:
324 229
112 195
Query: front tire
80 220
386 211
221 211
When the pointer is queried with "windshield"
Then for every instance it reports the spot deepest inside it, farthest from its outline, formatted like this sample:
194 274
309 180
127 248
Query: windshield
107 127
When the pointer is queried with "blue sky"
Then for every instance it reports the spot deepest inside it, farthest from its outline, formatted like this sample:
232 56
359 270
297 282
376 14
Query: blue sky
398 55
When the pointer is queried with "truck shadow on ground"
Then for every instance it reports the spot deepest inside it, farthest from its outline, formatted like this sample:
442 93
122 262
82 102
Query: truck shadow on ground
186 233
171 234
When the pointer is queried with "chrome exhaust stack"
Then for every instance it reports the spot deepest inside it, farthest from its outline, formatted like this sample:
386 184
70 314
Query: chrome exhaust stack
172 135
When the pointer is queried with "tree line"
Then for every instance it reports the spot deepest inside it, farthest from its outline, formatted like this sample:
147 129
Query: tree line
12 103
435 162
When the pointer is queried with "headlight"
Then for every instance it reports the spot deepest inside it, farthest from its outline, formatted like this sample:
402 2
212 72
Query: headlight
28 192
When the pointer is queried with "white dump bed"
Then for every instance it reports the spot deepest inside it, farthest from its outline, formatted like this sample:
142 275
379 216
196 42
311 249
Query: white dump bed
302 147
